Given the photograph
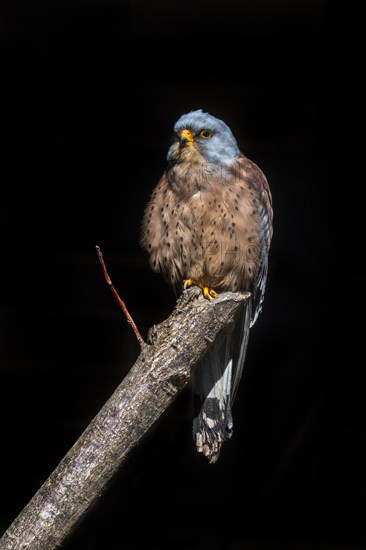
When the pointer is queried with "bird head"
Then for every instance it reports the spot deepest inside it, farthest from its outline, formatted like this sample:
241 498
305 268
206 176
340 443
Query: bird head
201 137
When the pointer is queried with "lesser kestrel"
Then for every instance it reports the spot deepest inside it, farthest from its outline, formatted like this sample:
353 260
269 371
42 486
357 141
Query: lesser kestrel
209 223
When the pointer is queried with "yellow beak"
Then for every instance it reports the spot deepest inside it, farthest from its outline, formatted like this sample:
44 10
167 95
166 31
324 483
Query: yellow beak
186 137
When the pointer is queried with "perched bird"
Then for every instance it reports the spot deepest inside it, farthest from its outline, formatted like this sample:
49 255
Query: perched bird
209 223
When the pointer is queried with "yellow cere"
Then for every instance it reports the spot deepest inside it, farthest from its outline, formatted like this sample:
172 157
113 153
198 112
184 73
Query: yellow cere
187 136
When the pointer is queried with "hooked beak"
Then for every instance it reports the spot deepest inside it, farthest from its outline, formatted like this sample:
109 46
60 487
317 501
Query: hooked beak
186 138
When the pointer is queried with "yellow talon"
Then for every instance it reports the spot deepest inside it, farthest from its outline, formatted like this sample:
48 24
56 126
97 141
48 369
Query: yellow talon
190 282
208 292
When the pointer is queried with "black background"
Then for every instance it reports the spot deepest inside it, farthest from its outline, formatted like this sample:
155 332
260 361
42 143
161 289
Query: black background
89 94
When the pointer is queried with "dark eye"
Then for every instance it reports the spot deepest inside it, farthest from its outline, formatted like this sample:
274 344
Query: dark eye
205 134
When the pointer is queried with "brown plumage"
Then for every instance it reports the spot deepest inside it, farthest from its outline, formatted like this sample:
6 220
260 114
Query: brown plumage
209 221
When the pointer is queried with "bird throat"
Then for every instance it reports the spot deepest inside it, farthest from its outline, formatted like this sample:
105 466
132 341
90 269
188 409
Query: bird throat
187 179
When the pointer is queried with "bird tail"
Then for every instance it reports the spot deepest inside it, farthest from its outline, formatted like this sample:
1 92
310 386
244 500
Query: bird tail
215 381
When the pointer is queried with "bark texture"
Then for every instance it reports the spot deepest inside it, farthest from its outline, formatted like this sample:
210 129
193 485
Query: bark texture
162 369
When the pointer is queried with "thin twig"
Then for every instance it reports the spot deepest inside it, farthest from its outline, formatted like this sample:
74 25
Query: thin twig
120 302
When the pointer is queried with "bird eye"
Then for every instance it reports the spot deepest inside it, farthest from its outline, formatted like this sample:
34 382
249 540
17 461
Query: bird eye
205 134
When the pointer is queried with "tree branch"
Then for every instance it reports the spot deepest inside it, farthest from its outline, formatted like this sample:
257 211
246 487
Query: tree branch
162 369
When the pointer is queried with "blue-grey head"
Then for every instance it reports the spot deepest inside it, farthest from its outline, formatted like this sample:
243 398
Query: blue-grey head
200 136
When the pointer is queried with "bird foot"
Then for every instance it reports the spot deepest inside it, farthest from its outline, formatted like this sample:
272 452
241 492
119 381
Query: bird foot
208 292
